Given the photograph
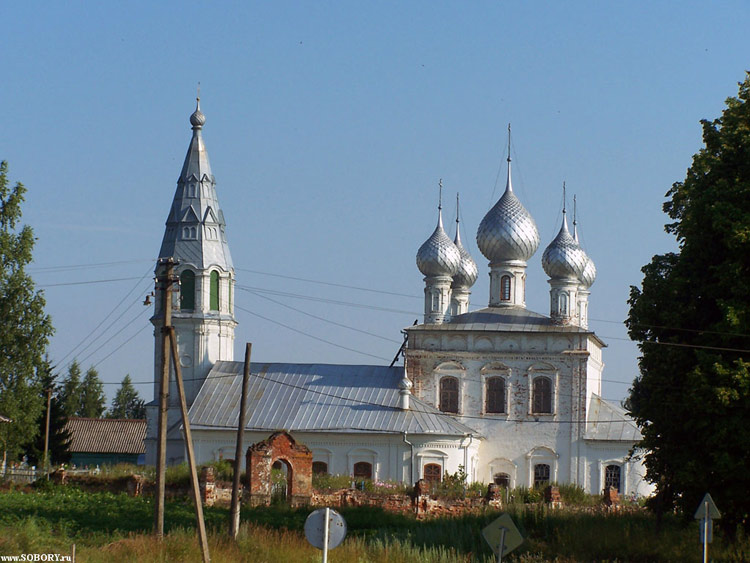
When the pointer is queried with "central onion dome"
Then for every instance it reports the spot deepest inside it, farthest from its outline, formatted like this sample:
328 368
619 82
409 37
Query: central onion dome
438 256
467 272
564 258
508 231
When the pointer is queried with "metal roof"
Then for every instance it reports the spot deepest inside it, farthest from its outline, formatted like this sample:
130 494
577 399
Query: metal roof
316 398
609 422
107 435
510 319
195 225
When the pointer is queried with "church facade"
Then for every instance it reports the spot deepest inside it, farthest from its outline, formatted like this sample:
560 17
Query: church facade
501 393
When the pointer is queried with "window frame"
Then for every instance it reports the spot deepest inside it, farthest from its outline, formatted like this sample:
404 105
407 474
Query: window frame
454 392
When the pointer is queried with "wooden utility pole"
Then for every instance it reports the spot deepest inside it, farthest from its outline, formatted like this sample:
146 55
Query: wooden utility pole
46 435
195 486
234 525
164 283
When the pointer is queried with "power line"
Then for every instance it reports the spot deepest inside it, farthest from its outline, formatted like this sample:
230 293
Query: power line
86 282
311 335
44 269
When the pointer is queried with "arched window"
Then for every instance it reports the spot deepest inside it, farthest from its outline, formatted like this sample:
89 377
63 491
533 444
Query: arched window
449 394
319 467
432 473
502 479
505 288
541 475
214 291
541 395
187 290
495 395
362 470
563 303
612 477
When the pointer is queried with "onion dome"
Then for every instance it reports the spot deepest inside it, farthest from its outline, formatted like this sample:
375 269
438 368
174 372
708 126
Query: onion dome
467 272
438 256
564 258
588 276
197 120
508 231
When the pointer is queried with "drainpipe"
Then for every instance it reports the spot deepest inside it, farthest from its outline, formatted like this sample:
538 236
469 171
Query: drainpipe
411 459
466 456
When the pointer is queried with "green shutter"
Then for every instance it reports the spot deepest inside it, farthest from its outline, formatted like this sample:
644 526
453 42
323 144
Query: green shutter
214 305
187 291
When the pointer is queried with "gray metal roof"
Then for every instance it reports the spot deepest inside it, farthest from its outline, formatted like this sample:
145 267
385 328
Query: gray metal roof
195 207
316 398
609 422
511 319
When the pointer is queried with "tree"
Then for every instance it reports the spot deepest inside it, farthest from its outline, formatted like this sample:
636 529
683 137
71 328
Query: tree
93 401
127 403
25 328
70 390
691 318
59 437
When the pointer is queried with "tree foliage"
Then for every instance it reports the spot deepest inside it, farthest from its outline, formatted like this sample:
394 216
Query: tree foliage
25 328
93 400
127 402
70 390
691 317
59 437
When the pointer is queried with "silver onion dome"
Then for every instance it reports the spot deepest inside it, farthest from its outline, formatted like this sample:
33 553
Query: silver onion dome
508 231
467 272
438 256
588 277
197 119
564 258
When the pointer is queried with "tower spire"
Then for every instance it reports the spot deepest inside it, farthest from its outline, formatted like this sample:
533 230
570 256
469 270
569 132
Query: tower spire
509 183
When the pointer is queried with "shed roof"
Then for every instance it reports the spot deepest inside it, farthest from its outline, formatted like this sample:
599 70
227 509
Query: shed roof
107 435
316 398
611 423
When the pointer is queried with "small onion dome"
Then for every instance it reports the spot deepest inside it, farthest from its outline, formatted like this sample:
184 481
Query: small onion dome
467 272
588 277
197 120
405 384
508 231
438 256
564 258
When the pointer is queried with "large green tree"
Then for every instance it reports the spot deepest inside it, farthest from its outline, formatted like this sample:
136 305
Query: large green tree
691 318
93 400
59 437
70 390
127 402
25 328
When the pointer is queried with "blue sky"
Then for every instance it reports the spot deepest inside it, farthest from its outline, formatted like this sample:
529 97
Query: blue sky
328 126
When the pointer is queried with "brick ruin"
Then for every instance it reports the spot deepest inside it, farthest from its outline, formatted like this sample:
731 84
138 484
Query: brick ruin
261 456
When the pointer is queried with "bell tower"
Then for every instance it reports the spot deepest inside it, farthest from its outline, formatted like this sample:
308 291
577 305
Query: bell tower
203 301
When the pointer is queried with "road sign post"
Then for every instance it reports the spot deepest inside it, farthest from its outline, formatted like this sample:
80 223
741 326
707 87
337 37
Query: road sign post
502 536
325 529
707 512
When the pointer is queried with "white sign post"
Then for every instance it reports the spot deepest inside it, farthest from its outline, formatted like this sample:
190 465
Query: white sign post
707 513
502 535
325 529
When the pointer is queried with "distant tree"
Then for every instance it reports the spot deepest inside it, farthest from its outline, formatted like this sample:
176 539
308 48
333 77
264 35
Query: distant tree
70 390
93 400
25 328
691 318
127 403
59 437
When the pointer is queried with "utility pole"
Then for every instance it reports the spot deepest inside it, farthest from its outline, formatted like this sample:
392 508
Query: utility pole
195 486
46 435
164 282
234 525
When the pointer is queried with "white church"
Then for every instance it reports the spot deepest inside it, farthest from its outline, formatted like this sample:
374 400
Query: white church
505 394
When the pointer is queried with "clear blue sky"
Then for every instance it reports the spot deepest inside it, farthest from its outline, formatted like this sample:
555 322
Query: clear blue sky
328 127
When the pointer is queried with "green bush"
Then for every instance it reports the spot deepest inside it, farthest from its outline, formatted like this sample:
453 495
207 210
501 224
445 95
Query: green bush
325 483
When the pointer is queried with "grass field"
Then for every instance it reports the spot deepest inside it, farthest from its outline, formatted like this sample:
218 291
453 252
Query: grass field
112 528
